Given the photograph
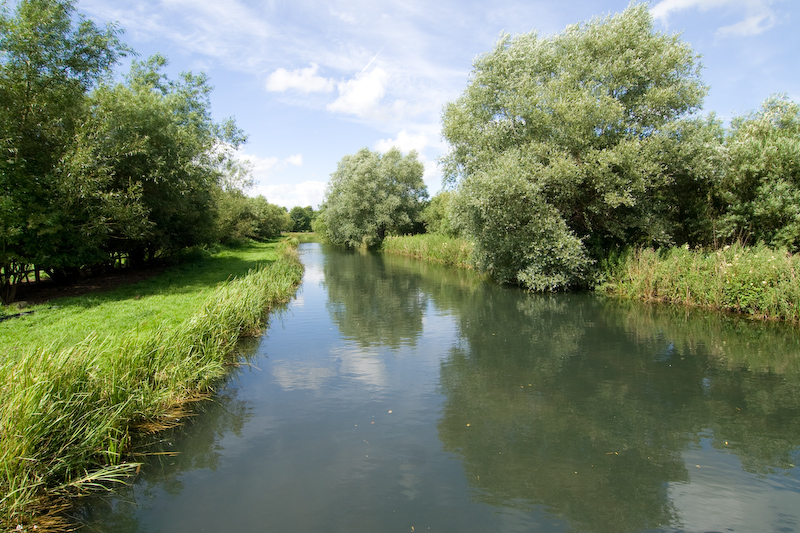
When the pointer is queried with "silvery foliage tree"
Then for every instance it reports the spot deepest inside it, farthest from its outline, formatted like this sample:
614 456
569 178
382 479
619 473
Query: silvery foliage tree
556 146
762 185
371 196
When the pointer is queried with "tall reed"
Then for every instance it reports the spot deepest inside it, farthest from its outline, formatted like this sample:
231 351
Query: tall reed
431 247
66 415
757 281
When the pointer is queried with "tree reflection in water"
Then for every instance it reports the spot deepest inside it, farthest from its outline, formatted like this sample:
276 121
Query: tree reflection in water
567 411
565 402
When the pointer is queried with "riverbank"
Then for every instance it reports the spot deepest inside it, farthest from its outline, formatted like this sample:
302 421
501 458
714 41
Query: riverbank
431 247
754 281
68 408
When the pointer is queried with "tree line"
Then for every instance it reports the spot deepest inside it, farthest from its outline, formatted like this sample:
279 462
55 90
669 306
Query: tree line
97 173
566 151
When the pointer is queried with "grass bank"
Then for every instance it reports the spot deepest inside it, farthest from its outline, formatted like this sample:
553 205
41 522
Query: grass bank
431 247
756 281
67 409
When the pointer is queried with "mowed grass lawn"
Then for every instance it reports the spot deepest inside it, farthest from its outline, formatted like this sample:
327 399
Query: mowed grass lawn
140 308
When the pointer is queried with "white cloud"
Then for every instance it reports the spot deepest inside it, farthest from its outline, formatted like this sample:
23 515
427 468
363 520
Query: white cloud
309 192
362 94
752 25
304 80
344 16
295 160
405 142
758 14
262 166
288 195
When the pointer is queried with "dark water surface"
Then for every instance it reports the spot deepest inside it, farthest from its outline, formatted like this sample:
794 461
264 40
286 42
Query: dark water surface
398 396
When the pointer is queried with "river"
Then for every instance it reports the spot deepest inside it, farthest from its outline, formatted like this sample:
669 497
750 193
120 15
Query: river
394 395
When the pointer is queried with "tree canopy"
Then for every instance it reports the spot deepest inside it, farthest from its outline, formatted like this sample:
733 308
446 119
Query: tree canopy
371 195
762 185
155 136
49 58
576 125
97 173
302 217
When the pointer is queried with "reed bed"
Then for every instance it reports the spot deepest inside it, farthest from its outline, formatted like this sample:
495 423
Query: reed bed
757 281
432 247
66 415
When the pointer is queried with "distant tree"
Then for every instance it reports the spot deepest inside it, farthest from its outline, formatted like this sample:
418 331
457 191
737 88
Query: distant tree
241 217
236 220
437 215
49 58
762 184
301 218
318 225
572 121
372 195
271 219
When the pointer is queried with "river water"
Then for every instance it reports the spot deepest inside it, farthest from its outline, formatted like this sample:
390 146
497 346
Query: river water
396 396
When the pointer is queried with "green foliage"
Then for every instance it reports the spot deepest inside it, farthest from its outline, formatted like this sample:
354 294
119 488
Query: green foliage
156 136
758 281
371 196
683 208
762 185
125 173
584 117
319 226
271 219
519 238
302 217
241 217
49 59
437 215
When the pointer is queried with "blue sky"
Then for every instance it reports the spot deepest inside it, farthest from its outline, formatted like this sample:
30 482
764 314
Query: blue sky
312 81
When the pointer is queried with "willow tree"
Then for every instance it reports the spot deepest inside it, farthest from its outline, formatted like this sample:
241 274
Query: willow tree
762 185
372 195
573 128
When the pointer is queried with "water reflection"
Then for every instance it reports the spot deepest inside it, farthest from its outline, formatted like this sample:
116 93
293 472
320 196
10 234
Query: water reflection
401 394
570 404
587 406
194 445
371 304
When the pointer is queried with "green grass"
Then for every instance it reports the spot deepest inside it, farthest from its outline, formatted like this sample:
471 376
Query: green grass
67 409
756 281
141 307
431 247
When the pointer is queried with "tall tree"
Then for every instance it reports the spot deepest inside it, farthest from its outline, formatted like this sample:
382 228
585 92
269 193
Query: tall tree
157 140
372 195
49 58
762 185
579 117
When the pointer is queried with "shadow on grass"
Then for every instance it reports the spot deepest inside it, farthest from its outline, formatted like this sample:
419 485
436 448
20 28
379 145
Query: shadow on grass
195 273
185 278
166 298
